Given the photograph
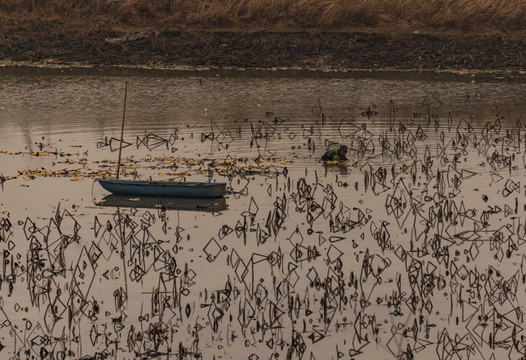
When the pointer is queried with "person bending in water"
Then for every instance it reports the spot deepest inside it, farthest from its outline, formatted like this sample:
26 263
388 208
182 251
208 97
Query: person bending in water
335 155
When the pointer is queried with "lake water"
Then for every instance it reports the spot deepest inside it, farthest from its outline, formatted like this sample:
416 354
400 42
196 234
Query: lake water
413 248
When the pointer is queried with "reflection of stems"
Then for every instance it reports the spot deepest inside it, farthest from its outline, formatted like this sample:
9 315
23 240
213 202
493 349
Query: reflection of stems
399 344
196 340
181 287
14 331
181 351
27 135
123 252
211 132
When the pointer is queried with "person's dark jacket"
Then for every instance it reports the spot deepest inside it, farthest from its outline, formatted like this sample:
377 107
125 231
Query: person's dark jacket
333 155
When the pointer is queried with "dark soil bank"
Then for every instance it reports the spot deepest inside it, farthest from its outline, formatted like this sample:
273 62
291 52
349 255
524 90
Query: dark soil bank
264 49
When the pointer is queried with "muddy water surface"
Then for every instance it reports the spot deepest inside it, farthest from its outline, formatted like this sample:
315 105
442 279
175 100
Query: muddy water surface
413 247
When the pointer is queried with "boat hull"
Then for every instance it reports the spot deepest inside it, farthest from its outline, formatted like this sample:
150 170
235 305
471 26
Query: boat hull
164 188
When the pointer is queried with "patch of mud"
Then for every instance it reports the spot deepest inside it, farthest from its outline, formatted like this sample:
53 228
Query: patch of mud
339 51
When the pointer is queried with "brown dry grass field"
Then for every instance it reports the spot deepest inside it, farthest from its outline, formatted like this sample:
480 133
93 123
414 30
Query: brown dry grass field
437 33
503 16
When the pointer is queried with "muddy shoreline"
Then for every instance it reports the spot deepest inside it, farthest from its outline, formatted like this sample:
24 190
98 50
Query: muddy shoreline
296 50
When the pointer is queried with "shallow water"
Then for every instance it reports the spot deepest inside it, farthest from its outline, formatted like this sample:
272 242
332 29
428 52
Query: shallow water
411 248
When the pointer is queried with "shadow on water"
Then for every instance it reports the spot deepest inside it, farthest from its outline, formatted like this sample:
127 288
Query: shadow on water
167 203
379 74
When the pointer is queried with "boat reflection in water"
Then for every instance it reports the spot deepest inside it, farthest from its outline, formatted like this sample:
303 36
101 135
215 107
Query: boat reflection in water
168 203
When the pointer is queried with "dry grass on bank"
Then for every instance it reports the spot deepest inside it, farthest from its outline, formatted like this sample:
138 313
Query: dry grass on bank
462 15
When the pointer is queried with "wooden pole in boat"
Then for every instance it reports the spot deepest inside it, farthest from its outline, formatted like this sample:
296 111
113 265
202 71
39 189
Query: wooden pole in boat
122 130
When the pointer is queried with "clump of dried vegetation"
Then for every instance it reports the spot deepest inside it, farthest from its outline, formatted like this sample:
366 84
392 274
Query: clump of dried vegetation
462 15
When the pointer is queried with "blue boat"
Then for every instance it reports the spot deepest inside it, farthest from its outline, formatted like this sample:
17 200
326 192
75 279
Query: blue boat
164 188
